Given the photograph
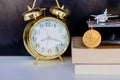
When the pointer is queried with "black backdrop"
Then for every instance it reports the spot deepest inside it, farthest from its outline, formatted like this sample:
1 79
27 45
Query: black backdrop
12 24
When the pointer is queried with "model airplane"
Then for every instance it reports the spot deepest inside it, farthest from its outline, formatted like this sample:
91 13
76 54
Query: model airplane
103 17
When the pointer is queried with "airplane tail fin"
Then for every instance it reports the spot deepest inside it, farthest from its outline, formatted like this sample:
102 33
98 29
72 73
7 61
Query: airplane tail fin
105 12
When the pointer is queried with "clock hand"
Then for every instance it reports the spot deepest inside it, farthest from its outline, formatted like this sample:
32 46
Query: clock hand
55 39
48 38
44 39
46 32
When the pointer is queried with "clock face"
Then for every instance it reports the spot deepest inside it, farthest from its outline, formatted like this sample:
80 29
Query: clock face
49 37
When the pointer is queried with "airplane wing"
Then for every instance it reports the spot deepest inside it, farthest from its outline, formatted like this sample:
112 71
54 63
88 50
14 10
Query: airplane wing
113 16
93 15
109 14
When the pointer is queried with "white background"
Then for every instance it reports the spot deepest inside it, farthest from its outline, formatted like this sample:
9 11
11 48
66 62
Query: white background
22 68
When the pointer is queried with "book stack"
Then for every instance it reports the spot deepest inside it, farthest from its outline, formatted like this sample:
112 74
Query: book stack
104 59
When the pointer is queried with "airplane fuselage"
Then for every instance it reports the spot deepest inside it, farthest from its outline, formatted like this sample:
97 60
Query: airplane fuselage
101 18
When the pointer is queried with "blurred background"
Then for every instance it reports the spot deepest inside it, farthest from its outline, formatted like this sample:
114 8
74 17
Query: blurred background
12 23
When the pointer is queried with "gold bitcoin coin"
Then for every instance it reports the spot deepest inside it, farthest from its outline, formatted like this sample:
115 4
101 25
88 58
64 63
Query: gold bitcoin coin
91 38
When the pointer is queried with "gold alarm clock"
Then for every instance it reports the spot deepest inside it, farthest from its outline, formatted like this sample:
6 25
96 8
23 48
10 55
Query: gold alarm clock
46 37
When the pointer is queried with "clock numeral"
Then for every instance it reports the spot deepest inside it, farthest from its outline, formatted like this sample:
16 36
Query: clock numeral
41 26
49 51
61 44
54 25
42 49
48 24
56 49
34 39
36 32
60 30
37 46
64 36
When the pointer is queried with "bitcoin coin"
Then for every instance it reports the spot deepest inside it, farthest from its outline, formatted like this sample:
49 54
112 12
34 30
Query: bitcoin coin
91 38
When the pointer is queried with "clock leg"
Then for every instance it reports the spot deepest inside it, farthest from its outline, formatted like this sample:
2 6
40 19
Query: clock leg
36 61
61 58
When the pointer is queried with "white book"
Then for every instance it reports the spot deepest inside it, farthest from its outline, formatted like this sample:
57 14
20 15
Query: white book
104 54
97 69
101 60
